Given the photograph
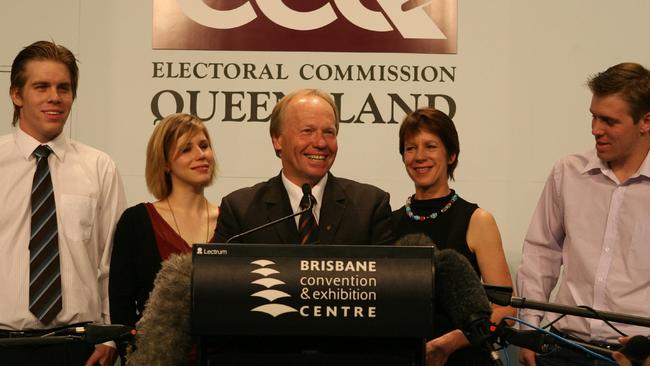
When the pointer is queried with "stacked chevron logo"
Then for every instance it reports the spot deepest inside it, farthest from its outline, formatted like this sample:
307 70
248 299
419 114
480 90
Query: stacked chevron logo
267 281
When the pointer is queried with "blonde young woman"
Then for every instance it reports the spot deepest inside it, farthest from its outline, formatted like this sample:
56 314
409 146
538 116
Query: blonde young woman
428 143
180 164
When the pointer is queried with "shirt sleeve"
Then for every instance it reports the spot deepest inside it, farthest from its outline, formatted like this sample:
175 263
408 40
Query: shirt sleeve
112 202
542 250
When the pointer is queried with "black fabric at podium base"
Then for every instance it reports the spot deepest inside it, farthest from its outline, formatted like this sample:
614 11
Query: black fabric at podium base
73 353
312 351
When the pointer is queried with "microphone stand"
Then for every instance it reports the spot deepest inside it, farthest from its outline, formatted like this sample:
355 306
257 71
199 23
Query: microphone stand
502 295
522 302
543 342
306 190
88 332
267 224
37 341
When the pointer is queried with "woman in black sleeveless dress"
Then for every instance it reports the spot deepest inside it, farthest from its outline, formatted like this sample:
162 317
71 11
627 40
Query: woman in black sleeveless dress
428 143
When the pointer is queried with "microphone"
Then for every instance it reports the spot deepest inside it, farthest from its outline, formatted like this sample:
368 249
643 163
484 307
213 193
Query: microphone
500 295
92 333
164 331
637 350
100 333
416 240
306 191
533 340
461 295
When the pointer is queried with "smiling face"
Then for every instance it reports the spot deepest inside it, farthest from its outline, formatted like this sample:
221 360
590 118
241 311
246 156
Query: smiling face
192 163
45 100
619 141
307 139
426 160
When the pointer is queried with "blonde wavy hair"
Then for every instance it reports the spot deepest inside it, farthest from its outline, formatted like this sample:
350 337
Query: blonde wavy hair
174 130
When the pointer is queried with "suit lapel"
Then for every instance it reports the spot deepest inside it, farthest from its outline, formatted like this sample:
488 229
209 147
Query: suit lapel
278 205
331 212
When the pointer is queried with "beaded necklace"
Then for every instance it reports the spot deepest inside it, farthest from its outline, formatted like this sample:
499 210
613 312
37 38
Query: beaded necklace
415 217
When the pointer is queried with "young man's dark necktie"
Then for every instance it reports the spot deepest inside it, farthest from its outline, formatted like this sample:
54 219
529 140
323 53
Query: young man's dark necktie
307 226
45 300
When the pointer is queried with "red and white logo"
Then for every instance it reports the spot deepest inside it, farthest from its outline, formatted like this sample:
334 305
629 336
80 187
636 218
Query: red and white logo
423 26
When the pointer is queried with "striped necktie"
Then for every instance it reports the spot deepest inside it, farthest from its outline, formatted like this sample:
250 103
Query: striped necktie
307 226
45 300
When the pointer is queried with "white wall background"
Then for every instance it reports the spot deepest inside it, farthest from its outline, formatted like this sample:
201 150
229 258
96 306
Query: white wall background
520 89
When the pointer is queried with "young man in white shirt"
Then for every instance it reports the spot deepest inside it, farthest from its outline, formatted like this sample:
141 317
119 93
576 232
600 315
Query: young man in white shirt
88 200
592 219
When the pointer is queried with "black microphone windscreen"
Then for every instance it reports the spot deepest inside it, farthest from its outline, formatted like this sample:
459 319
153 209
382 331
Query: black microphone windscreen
415 240
164 331
306 189
460 294
459 289
637 349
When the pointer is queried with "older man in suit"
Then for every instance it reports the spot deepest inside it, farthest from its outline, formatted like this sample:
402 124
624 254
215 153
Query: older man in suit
304 127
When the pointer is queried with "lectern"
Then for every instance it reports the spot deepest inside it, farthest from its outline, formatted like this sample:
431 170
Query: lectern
275 304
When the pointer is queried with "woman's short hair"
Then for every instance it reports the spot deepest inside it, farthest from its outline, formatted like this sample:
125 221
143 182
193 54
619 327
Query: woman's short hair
178 127
436 122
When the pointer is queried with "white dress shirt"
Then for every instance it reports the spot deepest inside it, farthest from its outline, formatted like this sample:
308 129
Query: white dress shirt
599 229
89 200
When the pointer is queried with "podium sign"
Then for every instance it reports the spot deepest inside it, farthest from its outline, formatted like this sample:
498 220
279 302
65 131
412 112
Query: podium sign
312 290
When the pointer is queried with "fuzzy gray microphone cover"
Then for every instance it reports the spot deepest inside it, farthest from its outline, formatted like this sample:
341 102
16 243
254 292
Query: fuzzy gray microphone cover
163 333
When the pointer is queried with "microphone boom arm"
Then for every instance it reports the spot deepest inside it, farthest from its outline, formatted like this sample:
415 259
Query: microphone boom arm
266 225
502 295
522 302
306 190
